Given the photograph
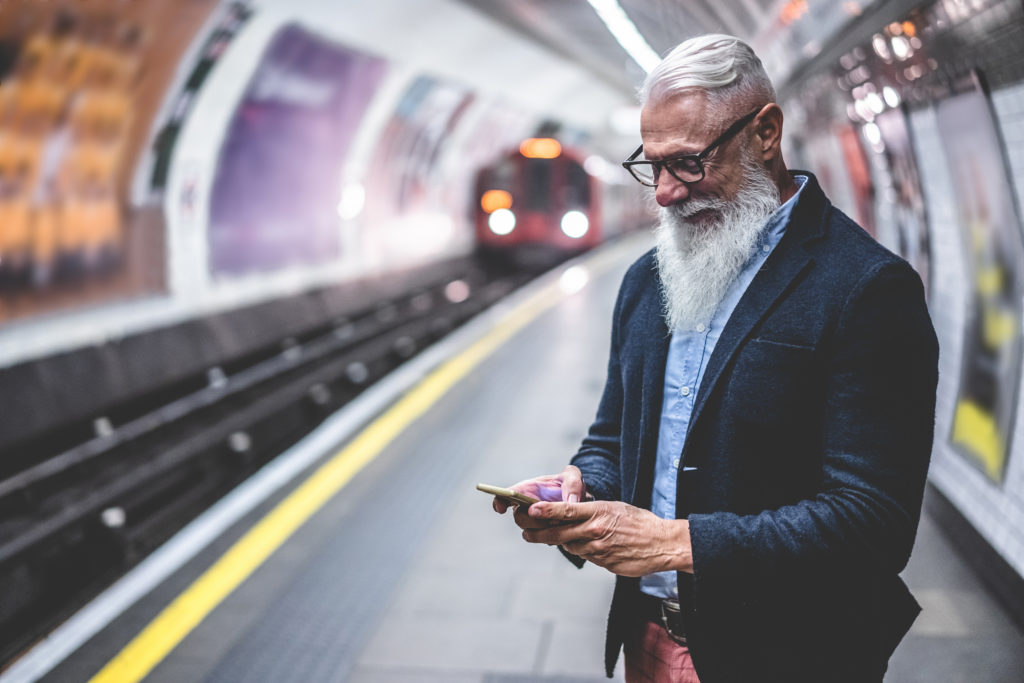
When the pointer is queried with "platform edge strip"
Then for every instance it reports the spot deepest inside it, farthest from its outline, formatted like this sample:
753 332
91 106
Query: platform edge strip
187 611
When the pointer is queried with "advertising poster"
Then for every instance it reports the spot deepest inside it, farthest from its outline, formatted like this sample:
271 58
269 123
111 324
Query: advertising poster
860 176
903 209
991 235
408 211
80 86
278 180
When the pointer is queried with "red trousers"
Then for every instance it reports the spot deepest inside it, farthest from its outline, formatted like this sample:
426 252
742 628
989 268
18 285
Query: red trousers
653 657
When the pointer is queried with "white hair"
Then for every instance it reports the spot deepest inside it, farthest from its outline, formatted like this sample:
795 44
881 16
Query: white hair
723 66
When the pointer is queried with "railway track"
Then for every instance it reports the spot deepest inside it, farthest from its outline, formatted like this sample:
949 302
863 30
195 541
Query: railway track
74 521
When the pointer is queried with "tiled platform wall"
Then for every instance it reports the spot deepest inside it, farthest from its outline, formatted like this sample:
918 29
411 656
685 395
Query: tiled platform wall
995 510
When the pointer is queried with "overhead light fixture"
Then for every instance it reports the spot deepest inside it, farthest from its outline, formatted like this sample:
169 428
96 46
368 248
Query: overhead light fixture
626 33
892 98
875 103
873 133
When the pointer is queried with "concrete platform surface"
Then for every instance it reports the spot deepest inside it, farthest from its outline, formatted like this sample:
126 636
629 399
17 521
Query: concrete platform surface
407 575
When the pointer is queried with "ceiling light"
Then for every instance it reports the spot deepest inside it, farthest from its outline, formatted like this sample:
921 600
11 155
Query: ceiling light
872 133
892 98
626 33
881 47
901 48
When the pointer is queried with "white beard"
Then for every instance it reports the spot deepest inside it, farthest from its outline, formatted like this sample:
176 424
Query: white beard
698 261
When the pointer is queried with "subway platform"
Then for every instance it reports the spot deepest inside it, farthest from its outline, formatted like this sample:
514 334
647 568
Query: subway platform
365 554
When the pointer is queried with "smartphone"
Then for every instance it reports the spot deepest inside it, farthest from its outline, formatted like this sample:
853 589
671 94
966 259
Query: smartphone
509 496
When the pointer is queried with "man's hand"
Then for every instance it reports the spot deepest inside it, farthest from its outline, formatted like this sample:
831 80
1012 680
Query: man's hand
624 539
567 486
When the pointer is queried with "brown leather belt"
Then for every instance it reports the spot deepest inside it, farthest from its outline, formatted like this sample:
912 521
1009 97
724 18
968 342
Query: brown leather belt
665 613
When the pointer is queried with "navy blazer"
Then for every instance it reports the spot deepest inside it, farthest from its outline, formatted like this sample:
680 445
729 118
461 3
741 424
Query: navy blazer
811 435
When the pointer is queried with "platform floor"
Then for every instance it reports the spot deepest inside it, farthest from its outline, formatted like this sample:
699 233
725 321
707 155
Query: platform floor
407 576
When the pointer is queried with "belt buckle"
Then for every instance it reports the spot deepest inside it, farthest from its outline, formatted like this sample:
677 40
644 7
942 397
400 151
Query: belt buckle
671 608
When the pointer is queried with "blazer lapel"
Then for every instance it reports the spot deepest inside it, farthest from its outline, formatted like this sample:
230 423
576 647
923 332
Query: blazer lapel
768 286
784 266
655 354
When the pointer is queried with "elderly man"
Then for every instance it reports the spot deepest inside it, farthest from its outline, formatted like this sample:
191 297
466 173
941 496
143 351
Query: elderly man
755 471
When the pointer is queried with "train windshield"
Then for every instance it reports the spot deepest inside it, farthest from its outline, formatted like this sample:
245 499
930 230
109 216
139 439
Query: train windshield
577 187
537 183
501 176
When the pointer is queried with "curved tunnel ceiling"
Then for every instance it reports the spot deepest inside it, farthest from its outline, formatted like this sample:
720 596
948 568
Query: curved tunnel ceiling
785 33
573 29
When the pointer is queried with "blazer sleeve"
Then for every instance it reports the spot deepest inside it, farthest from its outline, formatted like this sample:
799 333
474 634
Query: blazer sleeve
598 455
878 421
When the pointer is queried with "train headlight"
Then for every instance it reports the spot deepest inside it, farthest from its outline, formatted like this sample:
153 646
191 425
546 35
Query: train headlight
575 224
502 222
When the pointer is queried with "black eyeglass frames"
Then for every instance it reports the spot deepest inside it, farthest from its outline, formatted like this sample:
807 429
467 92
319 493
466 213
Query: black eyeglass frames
688 168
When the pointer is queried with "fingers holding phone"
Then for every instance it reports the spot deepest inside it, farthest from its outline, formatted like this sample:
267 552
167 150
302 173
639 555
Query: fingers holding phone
567 486
573 488
507 497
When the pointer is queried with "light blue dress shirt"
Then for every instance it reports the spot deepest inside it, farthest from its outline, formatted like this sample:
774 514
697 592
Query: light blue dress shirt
688 355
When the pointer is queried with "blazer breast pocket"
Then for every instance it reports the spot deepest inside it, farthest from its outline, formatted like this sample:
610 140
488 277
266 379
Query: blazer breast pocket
774 383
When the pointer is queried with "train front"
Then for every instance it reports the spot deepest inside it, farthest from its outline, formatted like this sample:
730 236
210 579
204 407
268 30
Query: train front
537 205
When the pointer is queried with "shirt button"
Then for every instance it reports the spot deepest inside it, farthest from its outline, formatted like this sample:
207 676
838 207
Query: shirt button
700 327
766 248
685 391
675 463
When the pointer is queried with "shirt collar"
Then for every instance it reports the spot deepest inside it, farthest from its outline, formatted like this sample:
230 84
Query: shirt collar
776 224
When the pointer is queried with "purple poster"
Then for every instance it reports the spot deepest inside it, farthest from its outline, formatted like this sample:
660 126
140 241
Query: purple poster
277 186
991 235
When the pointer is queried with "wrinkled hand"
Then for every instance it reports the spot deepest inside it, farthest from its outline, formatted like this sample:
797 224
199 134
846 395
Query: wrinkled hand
566 486
624 539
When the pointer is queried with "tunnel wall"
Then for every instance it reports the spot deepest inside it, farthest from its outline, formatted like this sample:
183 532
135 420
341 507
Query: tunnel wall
926 151
422 111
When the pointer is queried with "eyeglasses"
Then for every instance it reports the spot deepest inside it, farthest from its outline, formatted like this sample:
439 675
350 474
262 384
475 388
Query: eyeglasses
688 168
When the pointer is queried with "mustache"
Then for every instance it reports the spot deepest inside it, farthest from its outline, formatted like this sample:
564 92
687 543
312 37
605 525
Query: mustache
692 207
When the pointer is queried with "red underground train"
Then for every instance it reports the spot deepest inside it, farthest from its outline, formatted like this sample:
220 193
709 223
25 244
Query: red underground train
537 204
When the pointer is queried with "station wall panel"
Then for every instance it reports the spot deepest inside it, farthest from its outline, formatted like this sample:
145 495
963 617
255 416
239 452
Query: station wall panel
947 106
996 511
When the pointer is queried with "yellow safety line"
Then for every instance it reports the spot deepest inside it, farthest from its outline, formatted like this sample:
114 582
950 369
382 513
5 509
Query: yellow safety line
178 619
